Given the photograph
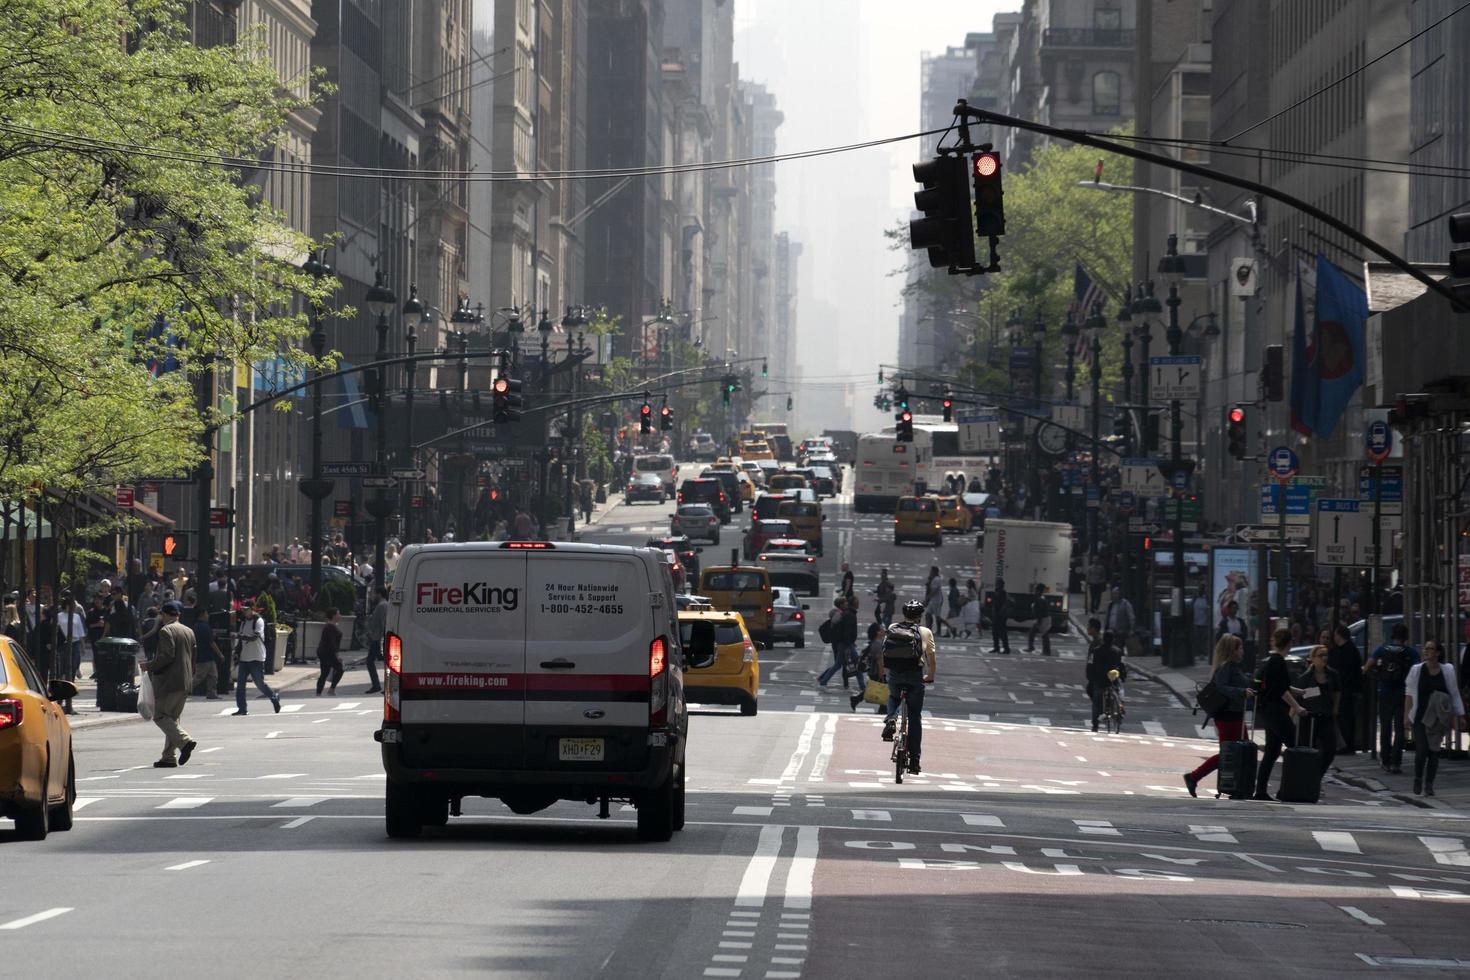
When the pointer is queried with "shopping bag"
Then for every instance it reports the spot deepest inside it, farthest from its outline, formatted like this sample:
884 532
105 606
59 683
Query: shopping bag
876 692
145 696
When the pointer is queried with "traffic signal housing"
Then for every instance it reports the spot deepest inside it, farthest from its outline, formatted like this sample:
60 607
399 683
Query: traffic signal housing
1235 436
990 212
645 418
945 230
506 399
901 396
905 426
728 388
948 404
665 419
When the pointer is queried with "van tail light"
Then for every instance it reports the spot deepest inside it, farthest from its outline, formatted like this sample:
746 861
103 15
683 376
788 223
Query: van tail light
12 713
392 677
658 682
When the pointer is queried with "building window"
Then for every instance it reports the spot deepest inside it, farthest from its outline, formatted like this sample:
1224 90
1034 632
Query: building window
1106 93
1107 19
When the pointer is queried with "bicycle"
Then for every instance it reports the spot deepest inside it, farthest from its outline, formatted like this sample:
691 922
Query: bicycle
1113 704
901 737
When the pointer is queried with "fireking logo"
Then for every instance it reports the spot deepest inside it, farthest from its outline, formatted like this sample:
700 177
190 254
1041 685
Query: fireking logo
433 597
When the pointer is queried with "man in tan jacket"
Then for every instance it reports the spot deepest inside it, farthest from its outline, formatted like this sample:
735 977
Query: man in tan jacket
172 672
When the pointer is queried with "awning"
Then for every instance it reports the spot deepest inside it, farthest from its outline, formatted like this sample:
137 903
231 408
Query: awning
10 528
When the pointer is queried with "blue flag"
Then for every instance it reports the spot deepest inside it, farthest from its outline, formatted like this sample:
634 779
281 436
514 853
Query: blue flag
1327 365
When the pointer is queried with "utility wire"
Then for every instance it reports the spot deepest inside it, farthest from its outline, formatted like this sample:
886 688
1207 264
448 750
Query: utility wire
1333 84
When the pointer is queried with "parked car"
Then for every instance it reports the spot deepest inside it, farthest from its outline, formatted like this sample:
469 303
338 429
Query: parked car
645 486
696 521
790 617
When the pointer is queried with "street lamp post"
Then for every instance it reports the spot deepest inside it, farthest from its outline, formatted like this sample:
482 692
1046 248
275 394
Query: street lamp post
1121 555
1171 266
380 300
1147 305
414 313
545 327
1095 325
1038 335
464 319
316 487
1070 331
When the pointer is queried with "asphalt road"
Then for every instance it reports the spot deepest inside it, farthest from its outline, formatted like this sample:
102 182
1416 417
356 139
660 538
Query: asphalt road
1029 847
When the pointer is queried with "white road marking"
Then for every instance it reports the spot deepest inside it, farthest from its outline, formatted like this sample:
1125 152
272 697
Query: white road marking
185 803
274 734
291 707
981 820
31 920
881 815
320 721
83 801
1360 915
1212 833
824 751
88 779
729 958
1082 758
1260 864
1153 728
1332 840
715 971
1036 720
299 802
803 870
186 865
806 707
757 878
192 775
979 717
753 811
1447 850
348 706
299 821
734 945
1403 891
1102 828
283 775
214 749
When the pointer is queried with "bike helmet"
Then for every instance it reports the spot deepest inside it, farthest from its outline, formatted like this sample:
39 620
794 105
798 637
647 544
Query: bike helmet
913 609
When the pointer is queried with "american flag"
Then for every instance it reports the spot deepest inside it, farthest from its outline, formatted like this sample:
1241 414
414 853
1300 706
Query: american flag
1085 293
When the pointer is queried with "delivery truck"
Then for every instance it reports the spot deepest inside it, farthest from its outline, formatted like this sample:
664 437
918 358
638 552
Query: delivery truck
1024 554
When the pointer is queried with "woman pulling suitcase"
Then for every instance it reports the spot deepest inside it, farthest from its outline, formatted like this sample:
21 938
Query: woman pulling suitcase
1234 685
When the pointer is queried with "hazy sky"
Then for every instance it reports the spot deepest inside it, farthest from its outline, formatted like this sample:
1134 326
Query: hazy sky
845 71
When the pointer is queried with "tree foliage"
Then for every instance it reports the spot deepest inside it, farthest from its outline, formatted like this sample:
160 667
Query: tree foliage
127 242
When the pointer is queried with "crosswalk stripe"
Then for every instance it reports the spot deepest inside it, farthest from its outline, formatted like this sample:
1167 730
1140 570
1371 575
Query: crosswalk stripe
979 717
1333 840
299 802
1213 834
1037 720
1447 850
1153 728
981 820
1103 828
347 706
291 707
185 803
82 801
880 815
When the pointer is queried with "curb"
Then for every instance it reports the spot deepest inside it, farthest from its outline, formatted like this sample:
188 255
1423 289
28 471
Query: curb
113 718
1379 789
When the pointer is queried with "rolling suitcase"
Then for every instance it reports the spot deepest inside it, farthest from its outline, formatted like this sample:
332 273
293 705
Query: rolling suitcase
1301 770
1236 777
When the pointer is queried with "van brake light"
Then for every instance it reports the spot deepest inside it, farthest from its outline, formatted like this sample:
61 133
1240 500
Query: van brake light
657 657
393 653
392 677
527 546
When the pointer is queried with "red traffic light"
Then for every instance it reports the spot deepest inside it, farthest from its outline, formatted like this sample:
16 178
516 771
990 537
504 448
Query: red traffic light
948 403
666 411
501 386
986 164
1237 414
646 410
906 417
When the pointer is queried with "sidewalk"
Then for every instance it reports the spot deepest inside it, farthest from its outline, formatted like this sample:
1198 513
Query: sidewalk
1360 769
89 716
599 511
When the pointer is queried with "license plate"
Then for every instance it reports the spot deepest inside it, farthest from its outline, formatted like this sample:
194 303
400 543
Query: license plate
580 750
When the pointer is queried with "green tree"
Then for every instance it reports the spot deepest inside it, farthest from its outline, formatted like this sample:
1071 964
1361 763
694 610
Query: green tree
128 240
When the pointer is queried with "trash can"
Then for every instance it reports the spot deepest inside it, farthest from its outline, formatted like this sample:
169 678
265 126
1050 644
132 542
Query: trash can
276 655
115 661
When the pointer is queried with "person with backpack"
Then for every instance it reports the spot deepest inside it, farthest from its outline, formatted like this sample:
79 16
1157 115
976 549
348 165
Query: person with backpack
831 631
1391 662
1235 686
908 660
250 654
1103 655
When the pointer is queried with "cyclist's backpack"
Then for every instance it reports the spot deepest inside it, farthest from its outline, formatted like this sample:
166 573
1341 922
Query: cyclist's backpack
903 649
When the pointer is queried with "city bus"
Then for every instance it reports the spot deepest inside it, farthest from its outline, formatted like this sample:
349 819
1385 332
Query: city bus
885 469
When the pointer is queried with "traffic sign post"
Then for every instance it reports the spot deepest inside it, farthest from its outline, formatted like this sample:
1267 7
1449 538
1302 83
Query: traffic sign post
1142 477
346 469
379 483
1378 441
980 432
1283 464
1344 534
1175 377
1267 534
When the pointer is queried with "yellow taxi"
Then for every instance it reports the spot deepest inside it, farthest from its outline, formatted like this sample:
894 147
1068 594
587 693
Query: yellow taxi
756 450
734 676
744 589
38 779
784 480
806 521
917 519
954 516
747 488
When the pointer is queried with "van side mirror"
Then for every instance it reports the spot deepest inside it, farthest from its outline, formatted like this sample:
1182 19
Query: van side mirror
700 651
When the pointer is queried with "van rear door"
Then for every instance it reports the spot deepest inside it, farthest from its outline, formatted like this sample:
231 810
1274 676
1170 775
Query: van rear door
590 630
463 628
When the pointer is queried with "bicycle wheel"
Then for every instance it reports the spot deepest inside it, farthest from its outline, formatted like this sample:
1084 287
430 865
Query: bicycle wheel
900 758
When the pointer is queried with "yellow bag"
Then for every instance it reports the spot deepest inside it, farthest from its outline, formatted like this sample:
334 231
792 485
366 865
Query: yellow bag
876 692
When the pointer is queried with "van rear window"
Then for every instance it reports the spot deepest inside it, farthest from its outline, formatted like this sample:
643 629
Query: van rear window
732 582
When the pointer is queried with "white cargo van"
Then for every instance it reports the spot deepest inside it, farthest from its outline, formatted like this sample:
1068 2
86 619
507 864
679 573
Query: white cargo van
532 672
660 463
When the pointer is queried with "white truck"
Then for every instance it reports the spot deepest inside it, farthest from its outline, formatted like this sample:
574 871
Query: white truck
1023 554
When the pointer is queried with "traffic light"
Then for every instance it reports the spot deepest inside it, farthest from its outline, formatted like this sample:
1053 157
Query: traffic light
175 546
948 410
905 426
765 368
945 230
1150 432
788 403
1273 373
728 388
665 419
901 396
990 212
1120 424
506 399
645 418
1460 256
1235 432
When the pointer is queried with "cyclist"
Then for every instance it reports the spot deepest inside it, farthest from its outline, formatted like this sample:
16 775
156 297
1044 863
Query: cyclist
908 657
1103 655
